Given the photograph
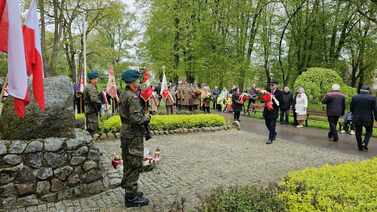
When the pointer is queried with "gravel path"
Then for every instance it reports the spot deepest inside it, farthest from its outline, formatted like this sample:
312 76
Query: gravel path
193 164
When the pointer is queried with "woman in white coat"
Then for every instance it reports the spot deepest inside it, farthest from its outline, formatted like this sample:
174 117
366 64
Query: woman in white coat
301 107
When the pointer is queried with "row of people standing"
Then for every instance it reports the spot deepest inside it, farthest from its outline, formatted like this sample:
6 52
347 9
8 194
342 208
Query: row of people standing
363 111
287 102
187 96
276 103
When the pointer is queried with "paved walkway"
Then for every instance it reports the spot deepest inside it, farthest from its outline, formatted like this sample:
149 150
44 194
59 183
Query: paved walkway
308 136
193 164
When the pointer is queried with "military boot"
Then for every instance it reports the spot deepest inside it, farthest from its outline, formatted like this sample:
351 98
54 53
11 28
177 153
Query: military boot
135 201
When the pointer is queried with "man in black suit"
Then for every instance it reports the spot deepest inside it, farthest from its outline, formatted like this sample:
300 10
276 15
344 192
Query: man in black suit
364 112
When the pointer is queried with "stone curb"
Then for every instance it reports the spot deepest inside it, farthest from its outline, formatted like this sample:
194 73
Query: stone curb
111 135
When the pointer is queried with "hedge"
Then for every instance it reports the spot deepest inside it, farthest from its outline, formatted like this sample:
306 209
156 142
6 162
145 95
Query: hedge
345 187
318 81
171 122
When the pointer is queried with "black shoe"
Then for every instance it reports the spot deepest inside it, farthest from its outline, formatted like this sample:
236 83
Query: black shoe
139 194
329 136
269 142
365 148
360 148
136 201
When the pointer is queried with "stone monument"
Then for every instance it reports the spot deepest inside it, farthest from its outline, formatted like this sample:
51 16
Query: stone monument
56 121
42 157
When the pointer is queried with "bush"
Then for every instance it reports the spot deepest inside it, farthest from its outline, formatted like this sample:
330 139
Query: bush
317 82
247 198
171 122
349 92
112 124
80 117
345 187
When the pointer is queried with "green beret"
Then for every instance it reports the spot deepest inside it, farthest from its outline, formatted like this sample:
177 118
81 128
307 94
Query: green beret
130 75
92 75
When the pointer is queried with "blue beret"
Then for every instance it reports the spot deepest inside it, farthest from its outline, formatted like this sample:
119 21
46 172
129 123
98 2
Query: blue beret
130 75
92 75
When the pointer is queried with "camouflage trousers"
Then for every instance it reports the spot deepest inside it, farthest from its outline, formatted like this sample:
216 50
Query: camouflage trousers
133 155
91 122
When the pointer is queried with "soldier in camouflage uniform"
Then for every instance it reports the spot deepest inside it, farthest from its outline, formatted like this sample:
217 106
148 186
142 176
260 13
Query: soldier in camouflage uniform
92 103
132 139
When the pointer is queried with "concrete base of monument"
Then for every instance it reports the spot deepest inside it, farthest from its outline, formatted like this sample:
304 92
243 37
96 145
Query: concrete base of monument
47 170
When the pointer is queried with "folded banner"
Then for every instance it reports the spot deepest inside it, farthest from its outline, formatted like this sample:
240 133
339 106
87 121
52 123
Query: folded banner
111 87
32 37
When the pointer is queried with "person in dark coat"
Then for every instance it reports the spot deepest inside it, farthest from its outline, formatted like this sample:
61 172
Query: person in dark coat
92 103
285 105
270 114
295 122
251 102
364 112
271 109
335 106
215 93
236 104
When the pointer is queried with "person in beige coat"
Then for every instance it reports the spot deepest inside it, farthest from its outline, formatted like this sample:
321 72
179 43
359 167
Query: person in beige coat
185 96
195 97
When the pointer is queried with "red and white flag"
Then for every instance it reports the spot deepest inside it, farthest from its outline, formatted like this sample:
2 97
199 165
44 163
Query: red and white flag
164 87
3 28
146 87
32 38
82 82
12 41
111 87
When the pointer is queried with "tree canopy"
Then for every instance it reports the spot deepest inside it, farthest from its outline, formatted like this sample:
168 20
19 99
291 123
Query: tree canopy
221 43
236 42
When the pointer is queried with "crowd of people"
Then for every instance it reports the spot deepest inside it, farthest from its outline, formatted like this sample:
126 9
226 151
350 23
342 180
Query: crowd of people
276 104
362 114
135 111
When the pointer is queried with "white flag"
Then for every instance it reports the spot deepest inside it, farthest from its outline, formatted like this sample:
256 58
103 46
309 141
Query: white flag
17 74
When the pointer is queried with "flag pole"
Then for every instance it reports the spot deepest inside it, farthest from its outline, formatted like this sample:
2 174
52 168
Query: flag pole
2 94
84 48
84 53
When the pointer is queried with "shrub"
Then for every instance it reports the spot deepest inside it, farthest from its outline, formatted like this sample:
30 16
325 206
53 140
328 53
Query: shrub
349 92
317 82
80 117
79 121
345 187
112 124
171 122
245 198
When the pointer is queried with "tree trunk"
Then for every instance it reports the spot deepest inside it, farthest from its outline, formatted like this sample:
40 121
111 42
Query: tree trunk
43 37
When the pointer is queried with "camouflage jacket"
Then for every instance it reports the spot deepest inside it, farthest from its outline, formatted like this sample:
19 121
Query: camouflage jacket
132 115
91 99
